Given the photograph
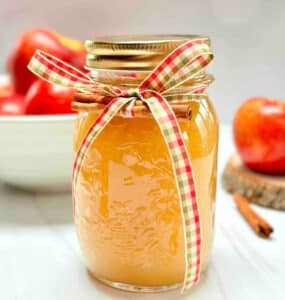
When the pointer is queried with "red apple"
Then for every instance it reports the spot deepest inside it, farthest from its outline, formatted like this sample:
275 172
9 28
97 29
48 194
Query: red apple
46 98
67 49
12 105
259 134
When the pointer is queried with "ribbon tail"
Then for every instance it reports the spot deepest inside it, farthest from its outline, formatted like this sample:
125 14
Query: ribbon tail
98 126
182 169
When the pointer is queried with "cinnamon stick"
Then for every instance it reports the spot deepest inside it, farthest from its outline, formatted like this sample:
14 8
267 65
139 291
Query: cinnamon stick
260 225
91 98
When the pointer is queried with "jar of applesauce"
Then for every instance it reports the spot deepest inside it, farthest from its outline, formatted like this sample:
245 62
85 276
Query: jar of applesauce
127 214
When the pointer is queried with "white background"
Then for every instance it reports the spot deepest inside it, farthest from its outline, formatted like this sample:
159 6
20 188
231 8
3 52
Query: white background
247 35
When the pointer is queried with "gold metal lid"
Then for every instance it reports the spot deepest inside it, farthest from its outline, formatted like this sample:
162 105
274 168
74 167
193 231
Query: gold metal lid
132 52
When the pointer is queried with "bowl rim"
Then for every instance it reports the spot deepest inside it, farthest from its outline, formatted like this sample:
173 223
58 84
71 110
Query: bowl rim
38 118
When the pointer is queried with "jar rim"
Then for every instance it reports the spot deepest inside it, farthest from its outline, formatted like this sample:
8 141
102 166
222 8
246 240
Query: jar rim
134 52
131 41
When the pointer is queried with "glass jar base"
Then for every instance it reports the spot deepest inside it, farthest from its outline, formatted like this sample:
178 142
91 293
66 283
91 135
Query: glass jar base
138 288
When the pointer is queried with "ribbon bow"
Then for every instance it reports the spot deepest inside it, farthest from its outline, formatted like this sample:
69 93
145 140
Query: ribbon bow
184 63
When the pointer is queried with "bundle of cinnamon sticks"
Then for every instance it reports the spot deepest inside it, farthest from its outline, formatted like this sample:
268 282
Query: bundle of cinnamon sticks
96 103
259 224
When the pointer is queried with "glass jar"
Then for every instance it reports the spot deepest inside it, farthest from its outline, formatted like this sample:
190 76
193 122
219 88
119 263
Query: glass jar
128 216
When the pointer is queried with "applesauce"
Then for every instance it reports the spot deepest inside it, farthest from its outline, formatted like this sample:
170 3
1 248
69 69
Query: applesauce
127 211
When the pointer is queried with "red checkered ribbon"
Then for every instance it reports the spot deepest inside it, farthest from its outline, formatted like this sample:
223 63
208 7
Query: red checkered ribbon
184 63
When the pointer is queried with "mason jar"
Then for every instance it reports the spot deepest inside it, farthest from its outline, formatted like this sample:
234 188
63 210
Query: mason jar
127 213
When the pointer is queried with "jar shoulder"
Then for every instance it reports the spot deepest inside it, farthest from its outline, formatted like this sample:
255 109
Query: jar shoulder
201 130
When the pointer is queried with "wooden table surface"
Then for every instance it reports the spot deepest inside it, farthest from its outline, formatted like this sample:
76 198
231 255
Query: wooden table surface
40 257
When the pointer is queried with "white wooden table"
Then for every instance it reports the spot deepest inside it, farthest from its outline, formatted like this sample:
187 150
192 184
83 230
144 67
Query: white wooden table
40 258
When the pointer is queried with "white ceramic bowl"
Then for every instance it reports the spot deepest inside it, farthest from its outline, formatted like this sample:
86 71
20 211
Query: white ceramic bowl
36 151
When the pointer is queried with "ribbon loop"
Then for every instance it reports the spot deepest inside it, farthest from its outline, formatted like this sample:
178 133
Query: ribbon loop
180 65
54 70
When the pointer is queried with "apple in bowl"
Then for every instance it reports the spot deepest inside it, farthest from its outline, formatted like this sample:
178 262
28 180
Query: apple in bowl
67 49
259 134
36 120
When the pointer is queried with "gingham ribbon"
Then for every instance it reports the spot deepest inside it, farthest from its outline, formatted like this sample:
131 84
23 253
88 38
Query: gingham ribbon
184 63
